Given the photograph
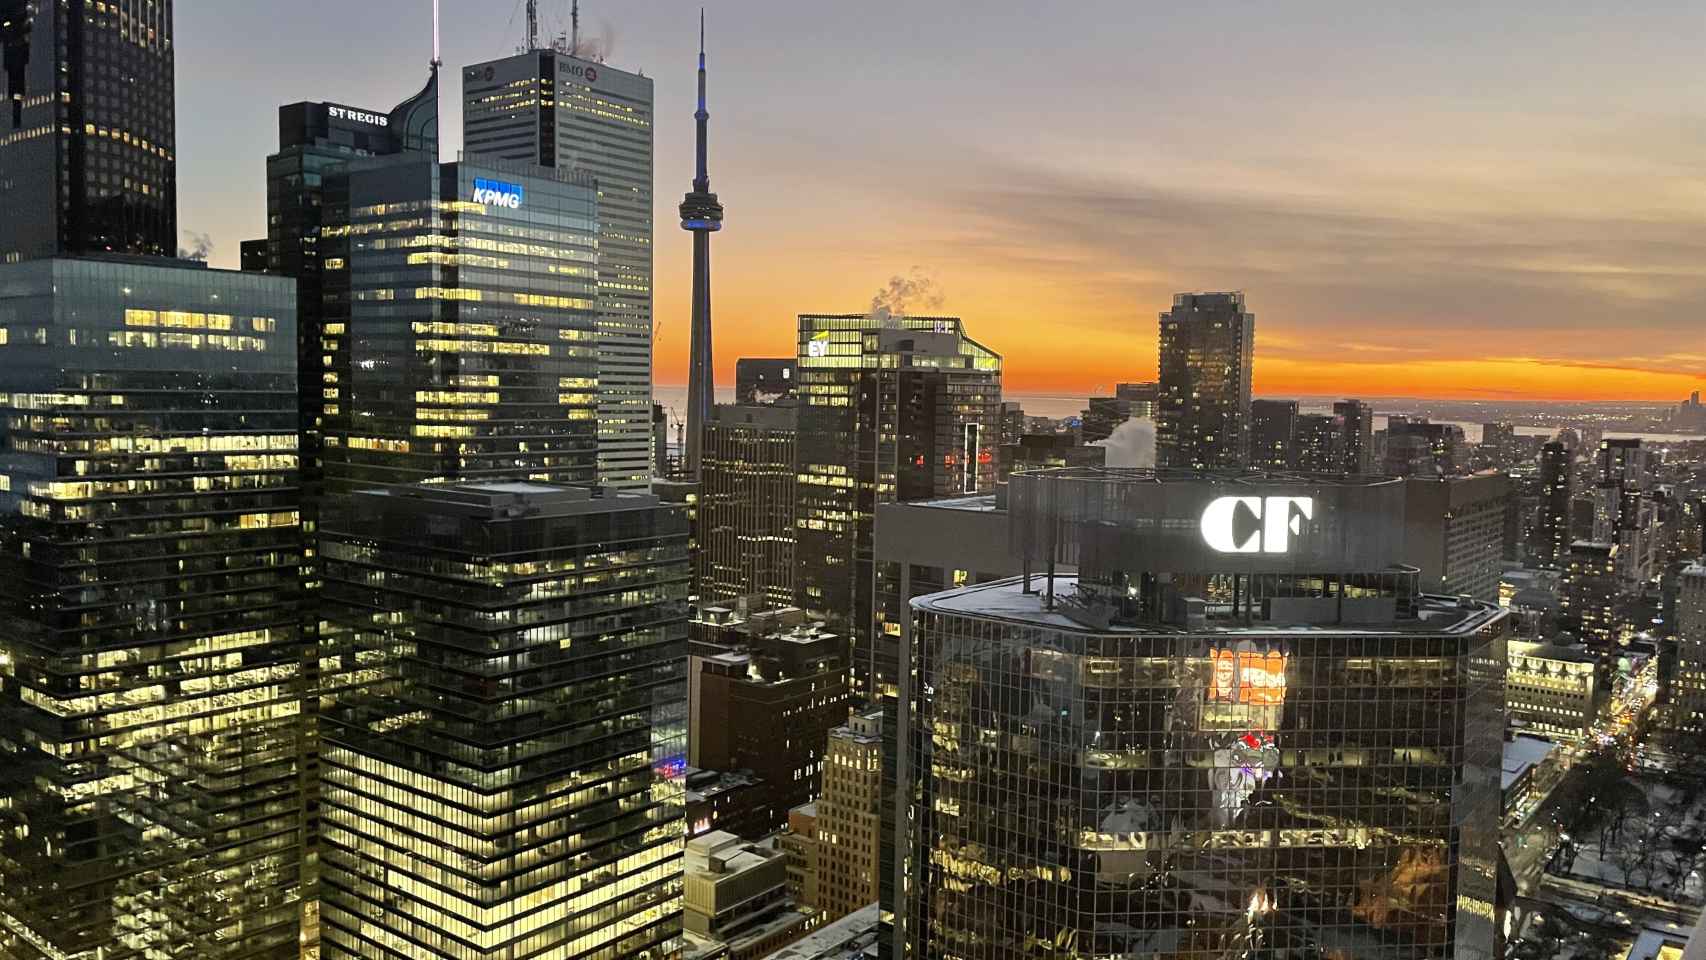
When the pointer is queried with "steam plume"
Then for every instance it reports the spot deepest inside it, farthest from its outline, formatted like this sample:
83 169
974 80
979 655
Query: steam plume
904 294
200 248
1132 444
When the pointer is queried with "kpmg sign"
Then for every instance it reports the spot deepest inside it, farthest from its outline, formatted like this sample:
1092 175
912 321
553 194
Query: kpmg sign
497 193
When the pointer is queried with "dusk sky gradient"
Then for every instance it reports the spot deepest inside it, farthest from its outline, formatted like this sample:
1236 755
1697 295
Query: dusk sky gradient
1399 192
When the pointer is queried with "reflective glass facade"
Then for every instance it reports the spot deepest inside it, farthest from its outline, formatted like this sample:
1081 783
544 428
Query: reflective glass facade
87 128
502 775
570 114
459 334
1305 793
895 408
149 656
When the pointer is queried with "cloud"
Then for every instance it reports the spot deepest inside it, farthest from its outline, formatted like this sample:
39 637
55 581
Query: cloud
1330 268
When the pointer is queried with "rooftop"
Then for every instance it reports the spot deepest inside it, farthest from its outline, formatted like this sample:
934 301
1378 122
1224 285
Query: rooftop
1007 600
1521 753
512 500
853 936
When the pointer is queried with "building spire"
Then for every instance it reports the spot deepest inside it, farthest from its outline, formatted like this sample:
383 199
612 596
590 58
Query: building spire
701 178
437 60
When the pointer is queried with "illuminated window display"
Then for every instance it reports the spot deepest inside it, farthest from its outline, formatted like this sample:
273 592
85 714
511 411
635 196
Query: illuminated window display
1189 753
150 658
504 724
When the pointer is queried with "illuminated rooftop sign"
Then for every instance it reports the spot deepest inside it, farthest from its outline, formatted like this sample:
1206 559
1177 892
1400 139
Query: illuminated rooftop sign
1255 524
497 193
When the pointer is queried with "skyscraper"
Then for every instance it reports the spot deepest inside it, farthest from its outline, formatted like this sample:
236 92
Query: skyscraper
459 336
150 657
849 816
1553 529
552 108
504 774
1356 420
88 160
1207 351
702 216
1273 434
313 140
1686 711
896 408
1318 445
1204 744
746 506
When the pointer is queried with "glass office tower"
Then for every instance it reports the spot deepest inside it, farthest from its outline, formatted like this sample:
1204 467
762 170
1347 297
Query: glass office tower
1240 730
567 113
506 782
890 408
1207 351
459 333
88 159
149 654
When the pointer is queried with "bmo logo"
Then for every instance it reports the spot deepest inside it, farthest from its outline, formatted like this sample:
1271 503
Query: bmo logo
497 193
1255 524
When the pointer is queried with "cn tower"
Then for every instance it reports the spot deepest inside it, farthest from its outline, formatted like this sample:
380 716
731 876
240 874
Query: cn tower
702 216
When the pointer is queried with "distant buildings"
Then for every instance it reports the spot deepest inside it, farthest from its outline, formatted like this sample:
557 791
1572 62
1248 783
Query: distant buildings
1207 349
1456 532
1424 449
507 712
1104 415
1356 436
1686 712
1553 691
593 120
761 380
1556 485
88 137
896 409
1273 434
1035 451
1588 605
747 492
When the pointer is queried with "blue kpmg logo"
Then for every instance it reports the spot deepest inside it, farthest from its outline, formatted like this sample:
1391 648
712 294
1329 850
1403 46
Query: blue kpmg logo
497 193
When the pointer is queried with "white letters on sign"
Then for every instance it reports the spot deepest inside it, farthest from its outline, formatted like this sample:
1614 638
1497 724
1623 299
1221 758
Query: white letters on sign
1272 522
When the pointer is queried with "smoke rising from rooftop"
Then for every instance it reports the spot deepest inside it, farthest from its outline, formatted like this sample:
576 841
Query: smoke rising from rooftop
905 295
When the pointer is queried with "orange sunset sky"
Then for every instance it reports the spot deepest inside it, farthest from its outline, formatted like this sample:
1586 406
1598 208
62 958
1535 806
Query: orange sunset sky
1445 201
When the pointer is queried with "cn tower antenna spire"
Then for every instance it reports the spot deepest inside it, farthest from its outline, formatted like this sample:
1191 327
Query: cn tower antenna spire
437 59
701 215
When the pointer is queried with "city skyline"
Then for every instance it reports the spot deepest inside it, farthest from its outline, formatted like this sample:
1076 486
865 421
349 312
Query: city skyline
1378 210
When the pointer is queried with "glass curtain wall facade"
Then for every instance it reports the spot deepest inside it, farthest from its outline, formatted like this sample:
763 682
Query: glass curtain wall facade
1090 794
746 506
149 654
507 783
1207 351
896 408
87 128
574 115
460 332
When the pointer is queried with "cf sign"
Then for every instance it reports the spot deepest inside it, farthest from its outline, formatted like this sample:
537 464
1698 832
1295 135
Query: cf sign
497 193
1255 524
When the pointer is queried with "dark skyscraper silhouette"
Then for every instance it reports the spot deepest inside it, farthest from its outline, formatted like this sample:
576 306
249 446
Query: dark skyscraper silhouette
703 215
88 161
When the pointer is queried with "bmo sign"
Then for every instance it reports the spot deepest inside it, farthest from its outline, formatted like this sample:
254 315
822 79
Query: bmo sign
1255 524
497 193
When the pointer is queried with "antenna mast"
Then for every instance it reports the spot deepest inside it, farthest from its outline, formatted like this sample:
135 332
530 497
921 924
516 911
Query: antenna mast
575 28
532 24
437 60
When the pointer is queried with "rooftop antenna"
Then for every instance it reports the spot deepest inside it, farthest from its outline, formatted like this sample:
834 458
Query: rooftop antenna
575 28
532 24
437 61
